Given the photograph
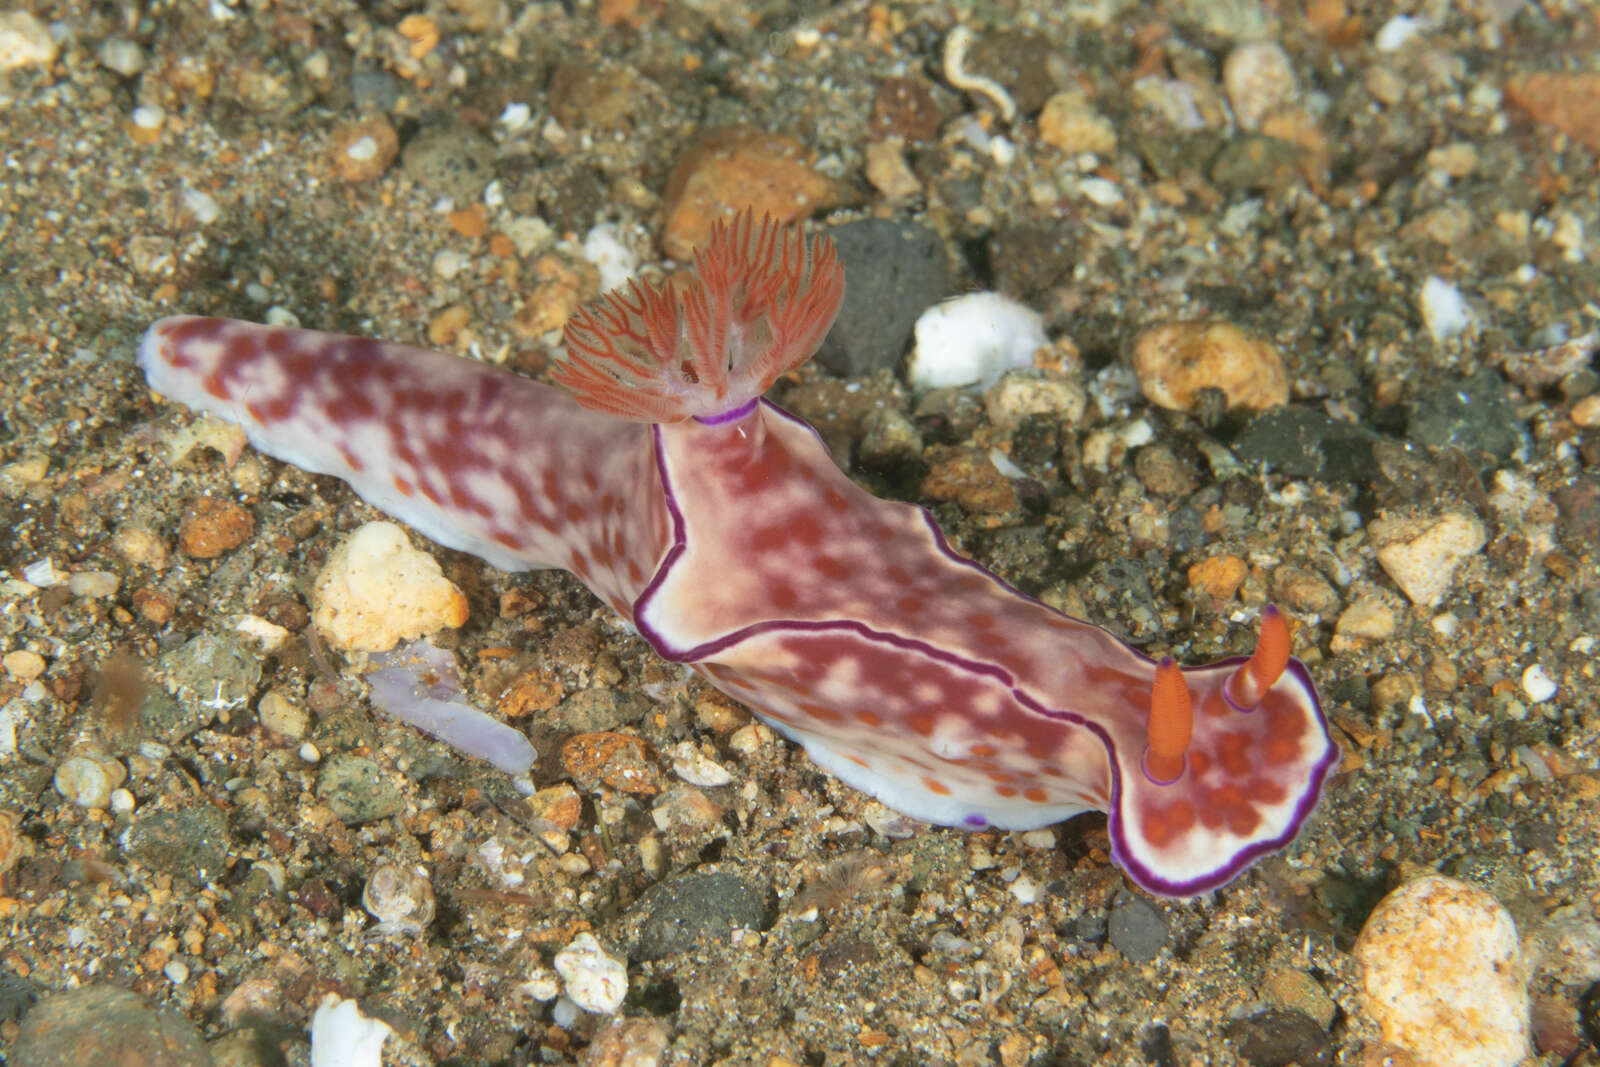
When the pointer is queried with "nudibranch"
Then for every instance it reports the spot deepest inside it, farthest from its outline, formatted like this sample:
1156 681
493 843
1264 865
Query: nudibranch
717 524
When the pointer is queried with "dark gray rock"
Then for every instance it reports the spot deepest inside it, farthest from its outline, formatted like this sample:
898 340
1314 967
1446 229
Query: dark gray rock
1306 443
1278 1038
1136 927
1473 414
894 271
684 909
192 843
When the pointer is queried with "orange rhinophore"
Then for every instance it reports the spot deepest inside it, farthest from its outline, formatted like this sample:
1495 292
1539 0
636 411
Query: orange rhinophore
1250 682
1171 723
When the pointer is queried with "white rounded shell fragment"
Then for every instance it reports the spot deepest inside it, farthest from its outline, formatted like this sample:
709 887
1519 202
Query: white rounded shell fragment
1537 684
594 981
973 340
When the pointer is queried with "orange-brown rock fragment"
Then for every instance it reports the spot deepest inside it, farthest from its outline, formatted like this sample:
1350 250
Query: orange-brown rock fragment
728 170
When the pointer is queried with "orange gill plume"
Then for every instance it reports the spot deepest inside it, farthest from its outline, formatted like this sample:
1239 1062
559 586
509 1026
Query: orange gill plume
761 301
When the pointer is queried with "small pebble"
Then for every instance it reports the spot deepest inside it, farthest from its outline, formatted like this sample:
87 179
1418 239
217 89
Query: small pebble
212 527
1177 360
1069 122
1537 683
1441 973
595 981
93 585
23 665
1259 80
24 41
973 340
694 767
1421 551
400 898
88 781
121 55
282 716
1444 309
377 590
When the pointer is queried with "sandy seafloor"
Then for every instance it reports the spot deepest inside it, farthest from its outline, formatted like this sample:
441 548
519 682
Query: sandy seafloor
937 947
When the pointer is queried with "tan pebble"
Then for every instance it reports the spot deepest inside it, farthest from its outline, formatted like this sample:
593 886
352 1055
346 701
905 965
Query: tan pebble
140 546
627 1043
1069 122
1421 551
1176 360
969 477
619 761
558 805
1220 576
443 327
282 716
1569 102
1304 591
470 221
687 807
888 171
212 527
1586 412
362 150
377 590
718 713
154 605
539 689
24 41
1456 160
1368 618
1259 80
559 288
13 843
1298 991
23 665
730 169
1020 393
1441 972
88 781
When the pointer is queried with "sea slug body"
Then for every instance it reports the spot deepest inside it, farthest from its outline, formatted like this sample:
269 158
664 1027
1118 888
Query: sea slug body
717 524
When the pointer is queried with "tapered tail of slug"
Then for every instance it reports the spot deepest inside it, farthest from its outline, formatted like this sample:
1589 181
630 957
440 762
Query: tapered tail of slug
762 300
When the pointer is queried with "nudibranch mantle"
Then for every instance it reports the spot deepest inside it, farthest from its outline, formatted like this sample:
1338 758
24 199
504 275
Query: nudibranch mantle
718 525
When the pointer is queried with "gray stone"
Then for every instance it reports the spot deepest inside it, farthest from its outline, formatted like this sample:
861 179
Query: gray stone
686 908
893 271
1136 927
357 789
454 161
192 843
1473 414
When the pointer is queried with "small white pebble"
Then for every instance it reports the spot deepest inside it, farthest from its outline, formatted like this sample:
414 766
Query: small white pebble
1100 191
448 264
542 985
1444 309
690 764
41 573
807 37
595 981
203 206
176 971
310 753
342 1037
1042 839
515 116
1537 683
1026 890
1394 34
122 802
1445 624
362 148
149 117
